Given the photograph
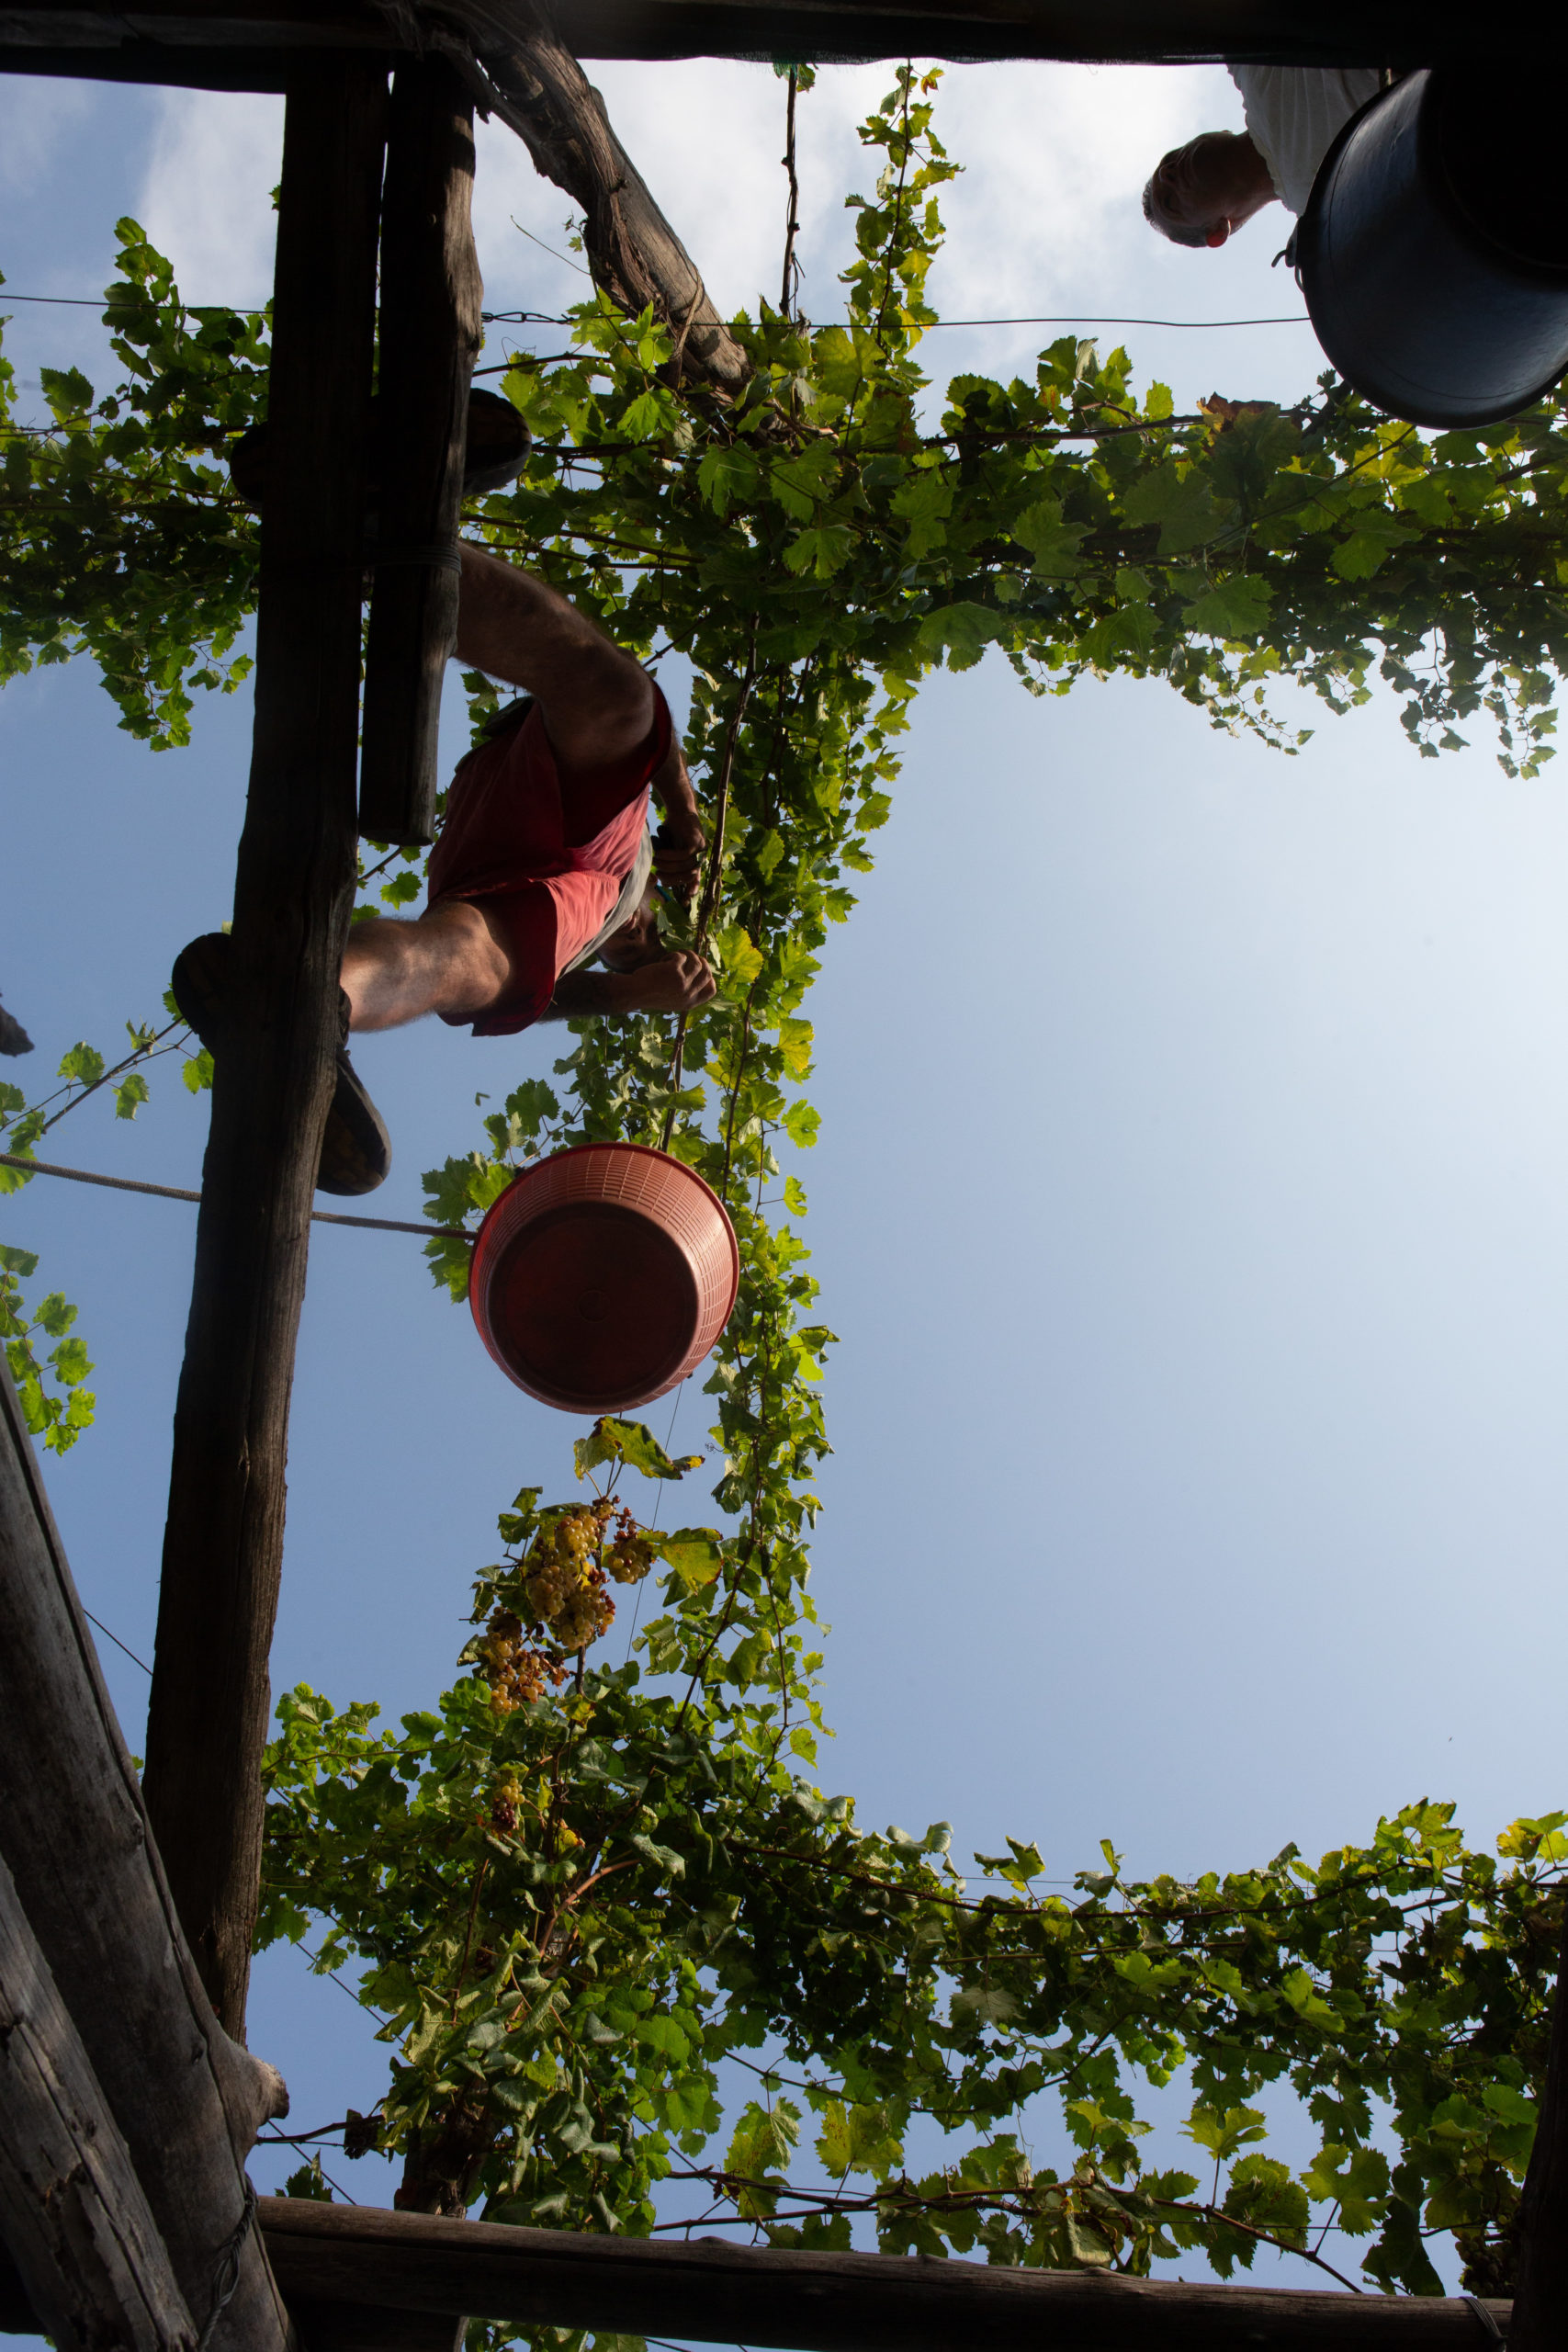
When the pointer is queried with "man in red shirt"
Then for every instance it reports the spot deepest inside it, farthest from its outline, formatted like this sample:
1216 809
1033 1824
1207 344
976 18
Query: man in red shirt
542 866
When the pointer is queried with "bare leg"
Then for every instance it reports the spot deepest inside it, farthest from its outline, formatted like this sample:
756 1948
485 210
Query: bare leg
597 701
447 961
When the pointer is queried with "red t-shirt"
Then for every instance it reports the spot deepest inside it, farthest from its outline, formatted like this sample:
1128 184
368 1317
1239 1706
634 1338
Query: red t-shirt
546 851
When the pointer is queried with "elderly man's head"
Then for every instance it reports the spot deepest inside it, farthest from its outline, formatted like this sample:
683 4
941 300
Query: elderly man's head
1199 194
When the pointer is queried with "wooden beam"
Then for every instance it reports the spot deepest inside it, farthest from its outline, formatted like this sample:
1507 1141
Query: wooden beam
1540 2299
431 331
223 1543
1342 32
1171 32
70 2207
197 24
816 2302
340 2265
176 69
74 1836
537 86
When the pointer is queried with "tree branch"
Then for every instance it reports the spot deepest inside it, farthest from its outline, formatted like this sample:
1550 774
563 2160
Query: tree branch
539 89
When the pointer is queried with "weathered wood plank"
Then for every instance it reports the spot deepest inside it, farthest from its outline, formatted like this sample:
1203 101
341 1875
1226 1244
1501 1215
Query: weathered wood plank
431 332
72 2209
340 2265
73 1832
270 23
1331 32
223 1541
1348 32
816 2302
141 63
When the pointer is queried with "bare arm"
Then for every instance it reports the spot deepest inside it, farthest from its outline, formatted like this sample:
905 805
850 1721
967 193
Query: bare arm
597 701
679 844
676 983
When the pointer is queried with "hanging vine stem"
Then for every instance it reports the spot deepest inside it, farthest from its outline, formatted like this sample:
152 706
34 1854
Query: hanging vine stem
734 1090
789 291
905 78
709 899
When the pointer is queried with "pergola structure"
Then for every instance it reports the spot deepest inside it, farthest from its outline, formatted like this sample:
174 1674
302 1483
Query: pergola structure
128 2101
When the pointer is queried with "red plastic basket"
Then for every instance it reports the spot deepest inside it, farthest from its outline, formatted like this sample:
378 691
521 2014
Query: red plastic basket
603 1276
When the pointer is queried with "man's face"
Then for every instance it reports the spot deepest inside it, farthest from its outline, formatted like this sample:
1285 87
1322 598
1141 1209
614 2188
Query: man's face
638 942
1213 185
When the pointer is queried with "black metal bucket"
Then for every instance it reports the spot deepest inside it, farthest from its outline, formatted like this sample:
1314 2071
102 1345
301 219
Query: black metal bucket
1434 251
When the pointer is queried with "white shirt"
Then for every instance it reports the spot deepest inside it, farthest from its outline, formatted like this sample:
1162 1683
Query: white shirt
1292 114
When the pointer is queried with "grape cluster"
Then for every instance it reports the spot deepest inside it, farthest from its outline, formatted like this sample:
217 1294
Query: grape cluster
560 1590
630 1555
562 1582
515 1669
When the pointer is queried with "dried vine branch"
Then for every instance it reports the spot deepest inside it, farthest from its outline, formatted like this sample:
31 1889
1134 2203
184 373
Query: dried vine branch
537 86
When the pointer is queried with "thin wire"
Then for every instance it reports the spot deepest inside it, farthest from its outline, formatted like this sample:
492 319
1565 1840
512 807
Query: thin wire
101 302
177 1193
226 2271
130 1652
1075 319
1045 318
551 250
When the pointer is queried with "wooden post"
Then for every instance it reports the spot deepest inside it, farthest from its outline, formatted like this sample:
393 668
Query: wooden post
72 2209
74 1831
223 1543
430 334
1541 2295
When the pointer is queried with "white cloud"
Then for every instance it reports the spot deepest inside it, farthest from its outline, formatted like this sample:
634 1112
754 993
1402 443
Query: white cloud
1044 218
36 114
206 199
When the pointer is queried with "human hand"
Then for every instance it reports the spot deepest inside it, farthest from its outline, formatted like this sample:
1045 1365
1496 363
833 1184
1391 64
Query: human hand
678 847
676 983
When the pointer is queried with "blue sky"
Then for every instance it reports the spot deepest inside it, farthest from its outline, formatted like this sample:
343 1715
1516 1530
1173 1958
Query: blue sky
1190 1196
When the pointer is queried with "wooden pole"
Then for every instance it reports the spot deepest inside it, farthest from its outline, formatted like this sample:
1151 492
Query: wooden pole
817 2302
74 1837
72 2209
1540 2296
223 1543
431 332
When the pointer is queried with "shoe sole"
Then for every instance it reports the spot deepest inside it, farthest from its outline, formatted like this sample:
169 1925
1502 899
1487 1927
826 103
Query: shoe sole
356 1151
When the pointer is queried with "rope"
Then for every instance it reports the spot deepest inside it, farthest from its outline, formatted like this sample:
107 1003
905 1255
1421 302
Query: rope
1497 2335
173 1193
226 2270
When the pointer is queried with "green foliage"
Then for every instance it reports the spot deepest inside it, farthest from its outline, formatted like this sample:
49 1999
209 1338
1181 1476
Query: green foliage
59 1417
573 1905
56 1406
119 535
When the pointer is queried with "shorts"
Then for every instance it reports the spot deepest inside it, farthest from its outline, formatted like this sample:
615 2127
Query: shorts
547 853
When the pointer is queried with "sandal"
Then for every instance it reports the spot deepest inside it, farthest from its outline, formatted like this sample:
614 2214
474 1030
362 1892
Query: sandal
356 1151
